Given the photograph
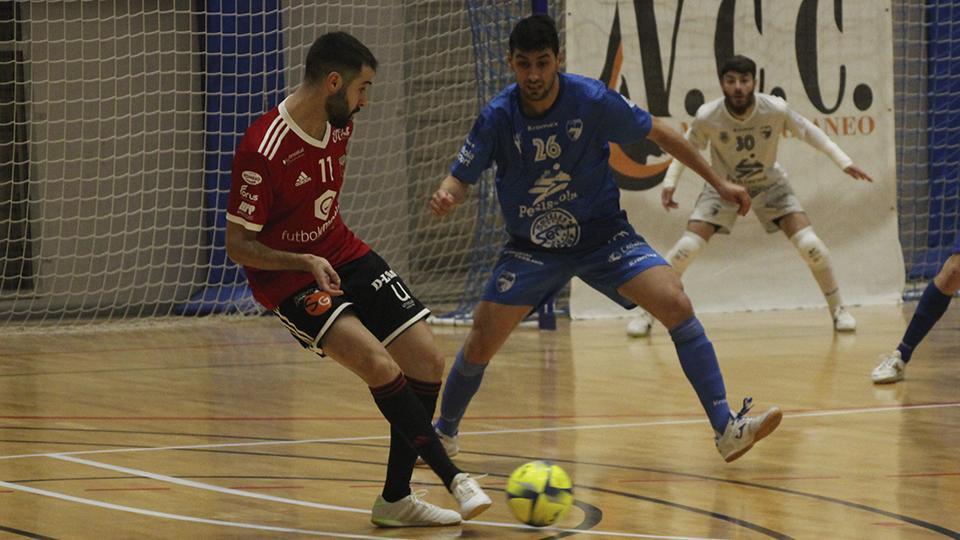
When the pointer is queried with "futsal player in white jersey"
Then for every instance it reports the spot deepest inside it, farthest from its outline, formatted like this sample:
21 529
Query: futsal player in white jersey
743 131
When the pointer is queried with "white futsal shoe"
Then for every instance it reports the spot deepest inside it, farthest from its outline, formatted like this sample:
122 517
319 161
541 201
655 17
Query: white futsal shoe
411 511
743 431
473 501
641 325
843 321
451 445
890 369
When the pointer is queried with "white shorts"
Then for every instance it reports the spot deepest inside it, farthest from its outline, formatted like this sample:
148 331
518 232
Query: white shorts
768 205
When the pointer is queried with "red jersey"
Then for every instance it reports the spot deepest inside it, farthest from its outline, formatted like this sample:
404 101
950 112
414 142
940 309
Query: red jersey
286 187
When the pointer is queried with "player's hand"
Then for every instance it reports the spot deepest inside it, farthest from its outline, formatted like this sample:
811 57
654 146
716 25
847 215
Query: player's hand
442 202
666 198
858 173
326 276
735 193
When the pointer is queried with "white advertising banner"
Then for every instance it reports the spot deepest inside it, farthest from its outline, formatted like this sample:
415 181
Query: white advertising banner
832 61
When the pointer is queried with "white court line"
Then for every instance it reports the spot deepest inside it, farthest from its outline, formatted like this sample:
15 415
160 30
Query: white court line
208 487
178 517
473 433
296 502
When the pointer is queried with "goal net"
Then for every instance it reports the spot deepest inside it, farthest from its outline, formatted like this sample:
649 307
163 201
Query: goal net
927 88
119 121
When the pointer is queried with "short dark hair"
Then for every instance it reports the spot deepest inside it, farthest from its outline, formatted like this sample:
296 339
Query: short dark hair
535 33
739 64
340 52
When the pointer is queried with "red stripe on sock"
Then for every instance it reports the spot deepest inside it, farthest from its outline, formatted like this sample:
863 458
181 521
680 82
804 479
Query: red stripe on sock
390 388
424 387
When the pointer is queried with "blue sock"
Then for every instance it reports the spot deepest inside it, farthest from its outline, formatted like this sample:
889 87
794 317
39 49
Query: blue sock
699 363
933 304
462 383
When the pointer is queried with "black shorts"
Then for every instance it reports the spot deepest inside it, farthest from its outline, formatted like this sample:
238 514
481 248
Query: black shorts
374 292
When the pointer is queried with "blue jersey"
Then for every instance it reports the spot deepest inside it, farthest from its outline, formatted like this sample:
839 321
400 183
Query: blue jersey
555 187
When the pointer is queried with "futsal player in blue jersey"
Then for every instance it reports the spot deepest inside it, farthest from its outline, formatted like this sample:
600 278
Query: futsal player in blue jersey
549 137
933 304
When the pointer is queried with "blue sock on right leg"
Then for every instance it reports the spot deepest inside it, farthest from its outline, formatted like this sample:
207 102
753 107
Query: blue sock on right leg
462 383
933 304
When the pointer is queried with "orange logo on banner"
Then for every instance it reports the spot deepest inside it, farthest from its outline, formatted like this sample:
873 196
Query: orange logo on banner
630 172
317 303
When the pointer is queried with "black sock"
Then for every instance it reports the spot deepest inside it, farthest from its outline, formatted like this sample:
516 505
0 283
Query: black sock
402 455
400 406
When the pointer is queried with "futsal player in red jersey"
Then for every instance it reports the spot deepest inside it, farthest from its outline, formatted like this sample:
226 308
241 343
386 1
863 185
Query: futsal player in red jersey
336 296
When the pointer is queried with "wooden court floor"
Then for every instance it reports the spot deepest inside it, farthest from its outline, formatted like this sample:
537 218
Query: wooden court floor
227 429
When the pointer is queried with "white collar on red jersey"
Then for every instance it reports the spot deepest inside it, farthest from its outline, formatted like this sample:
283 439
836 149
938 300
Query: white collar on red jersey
300 132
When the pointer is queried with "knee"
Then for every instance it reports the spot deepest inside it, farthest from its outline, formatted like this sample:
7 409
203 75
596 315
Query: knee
685 250
478 347
811 248
679 308
433 363
949 275
376 365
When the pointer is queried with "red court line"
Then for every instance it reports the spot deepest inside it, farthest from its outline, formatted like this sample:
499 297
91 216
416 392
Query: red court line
657 480
265 487
795 478
505 417
921 475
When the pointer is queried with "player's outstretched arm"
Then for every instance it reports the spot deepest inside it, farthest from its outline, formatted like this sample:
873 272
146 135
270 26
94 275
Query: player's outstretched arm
670 181
674 144
448 196
244 249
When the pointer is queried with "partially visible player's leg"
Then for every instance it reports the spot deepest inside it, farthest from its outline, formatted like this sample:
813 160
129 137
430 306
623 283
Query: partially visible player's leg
421 362
690 245
350 343
492 325
711 214
932 305
388 309
642 277
796 226
658 290
520 280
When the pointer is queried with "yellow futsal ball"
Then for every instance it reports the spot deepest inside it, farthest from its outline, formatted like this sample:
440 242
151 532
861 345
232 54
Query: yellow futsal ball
539 493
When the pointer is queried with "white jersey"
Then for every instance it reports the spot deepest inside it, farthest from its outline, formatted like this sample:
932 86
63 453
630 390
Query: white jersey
745 151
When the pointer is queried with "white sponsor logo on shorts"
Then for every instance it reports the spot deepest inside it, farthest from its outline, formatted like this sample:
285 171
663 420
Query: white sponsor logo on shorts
555 229
505 281
384 278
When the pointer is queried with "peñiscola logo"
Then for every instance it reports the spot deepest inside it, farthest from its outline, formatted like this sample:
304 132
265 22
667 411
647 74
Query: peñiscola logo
642 166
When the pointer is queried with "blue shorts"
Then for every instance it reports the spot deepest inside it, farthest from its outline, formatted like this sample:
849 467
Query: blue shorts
526 277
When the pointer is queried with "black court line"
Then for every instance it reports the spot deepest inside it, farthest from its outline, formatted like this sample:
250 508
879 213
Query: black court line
851 504
715 515
25 534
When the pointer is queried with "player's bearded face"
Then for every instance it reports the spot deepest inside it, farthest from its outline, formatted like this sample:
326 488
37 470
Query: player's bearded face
338 109
738 91
536 73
